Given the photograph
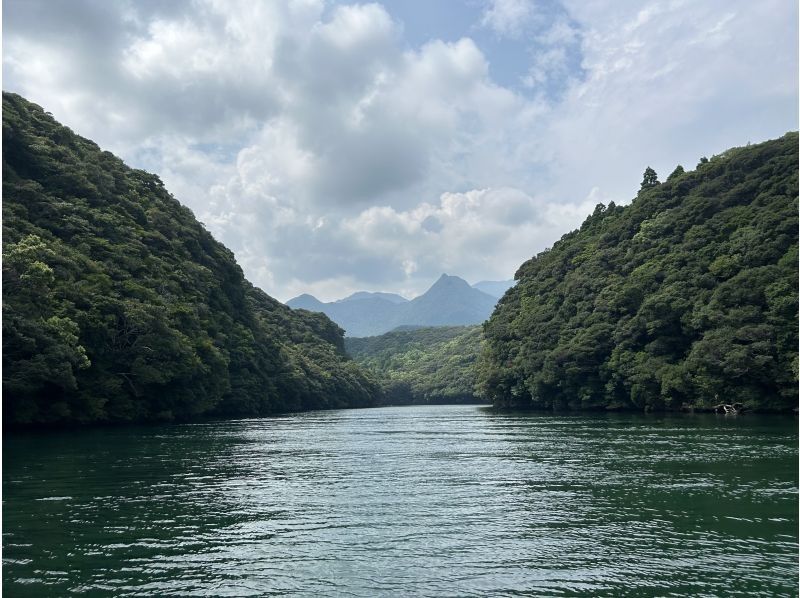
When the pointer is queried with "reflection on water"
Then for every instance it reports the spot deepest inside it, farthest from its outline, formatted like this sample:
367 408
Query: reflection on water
417 500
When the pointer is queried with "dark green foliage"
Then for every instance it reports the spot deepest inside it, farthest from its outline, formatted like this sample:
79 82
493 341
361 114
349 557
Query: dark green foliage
686 298
676 173
119 306
422 365
650 178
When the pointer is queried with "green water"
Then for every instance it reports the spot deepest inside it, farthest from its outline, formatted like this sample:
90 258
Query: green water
424 501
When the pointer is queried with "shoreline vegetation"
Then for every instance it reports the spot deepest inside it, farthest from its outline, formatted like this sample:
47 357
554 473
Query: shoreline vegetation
45 428
422 366
684 299
119 307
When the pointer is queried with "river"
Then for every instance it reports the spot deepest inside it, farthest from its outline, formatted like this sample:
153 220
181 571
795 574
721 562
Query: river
424 501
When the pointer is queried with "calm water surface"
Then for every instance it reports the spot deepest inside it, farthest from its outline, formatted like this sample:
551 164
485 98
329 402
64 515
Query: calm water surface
428 501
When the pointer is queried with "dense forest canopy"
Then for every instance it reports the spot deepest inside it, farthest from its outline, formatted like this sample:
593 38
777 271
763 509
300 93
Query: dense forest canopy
119 306
685 298
422 365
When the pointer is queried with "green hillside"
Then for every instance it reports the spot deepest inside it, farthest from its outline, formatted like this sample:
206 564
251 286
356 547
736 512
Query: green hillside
422 365
685 298
119 306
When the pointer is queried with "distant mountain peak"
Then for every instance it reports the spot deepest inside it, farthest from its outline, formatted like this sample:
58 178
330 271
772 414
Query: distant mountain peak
446 280
450 301
454 286
305 301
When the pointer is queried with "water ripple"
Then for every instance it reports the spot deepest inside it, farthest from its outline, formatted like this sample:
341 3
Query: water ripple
437 501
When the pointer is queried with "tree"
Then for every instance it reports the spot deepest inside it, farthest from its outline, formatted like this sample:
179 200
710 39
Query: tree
687 293
650 179
676 173
119 306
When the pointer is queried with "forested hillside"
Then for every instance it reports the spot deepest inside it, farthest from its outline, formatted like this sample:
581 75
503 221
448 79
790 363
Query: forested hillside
422 365
685 298
119 306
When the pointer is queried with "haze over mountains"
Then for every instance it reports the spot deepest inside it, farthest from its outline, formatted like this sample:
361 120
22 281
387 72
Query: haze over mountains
495 288
451 301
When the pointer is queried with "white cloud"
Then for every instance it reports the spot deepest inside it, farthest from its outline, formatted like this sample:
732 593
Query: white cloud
478 234
669 82
508 17
553 56
331 156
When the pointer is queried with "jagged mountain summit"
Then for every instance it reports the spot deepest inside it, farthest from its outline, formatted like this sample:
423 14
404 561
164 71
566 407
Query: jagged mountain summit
451 301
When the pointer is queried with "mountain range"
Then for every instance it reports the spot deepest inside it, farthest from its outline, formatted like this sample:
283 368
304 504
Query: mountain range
451 301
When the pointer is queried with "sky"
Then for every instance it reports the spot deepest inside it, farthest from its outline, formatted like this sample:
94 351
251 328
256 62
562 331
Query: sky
337 147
